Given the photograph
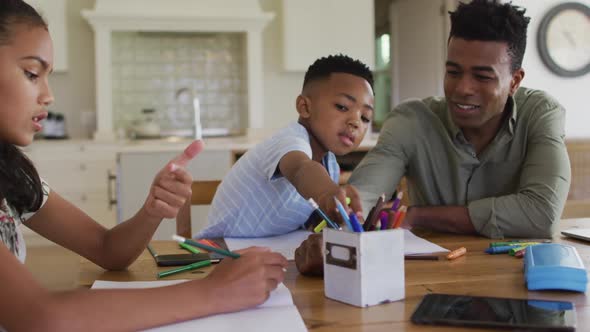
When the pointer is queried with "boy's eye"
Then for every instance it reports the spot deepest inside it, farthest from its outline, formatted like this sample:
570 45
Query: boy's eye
341 107
452 72
30 75
365 119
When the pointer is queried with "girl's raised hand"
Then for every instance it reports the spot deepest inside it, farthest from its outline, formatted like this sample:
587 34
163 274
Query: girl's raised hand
172 185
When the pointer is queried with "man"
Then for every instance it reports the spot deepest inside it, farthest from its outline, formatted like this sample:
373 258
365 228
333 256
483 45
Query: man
490 157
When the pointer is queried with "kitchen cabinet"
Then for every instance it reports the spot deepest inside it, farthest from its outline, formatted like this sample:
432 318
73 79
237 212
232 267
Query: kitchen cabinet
137 169
80 171
314 29
54 12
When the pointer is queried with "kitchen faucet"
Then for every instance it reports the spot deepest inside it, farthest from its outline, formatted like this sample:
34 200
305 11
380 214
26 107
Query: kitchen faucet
181 95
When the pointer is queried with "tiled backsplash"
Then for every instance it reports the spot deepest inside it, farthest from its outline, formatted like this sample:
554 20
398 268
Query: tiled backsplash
163 71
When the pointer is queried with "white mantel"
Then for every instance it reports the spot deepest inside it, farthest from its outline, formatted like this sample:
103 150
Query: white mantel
244 16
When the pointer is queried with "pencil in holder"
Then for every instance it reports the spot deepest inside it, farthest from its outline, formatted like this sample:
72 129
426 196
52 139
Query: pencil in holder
364 269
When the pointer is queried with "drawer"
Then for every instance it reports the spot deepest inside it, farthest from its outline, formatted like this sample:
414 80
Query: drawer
96 205
70 152
76 176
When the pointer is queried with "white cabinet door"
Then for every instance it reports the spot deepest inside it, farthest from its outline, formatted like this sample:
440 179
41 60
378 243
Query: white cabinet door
78 171
54 12
136 171
419 32
317 28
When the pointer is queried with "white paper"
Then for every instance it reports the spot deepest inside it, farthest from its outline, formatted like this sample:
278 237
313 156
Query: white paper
287 243
283 244
416 245
284 319
278 313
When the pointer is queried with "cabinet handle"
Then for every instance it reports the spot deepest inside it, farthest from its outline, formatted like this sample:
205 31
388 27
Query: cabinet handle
112 198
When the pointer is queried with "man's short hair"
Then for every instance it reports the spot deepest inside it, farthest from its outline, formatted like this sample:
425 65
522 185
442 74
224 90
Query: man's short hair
322 68
492 20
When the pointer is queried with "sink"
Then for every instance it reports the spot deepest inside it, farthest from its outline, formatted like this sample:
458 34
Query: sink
183 134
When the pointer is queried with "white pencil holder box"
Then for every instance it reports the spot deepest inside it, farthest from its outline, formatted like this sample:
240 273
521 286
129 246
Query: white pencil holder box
364 269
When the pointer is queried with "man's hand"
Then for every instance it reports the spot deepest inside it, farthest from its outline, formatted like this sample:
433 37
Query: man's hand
309 256
172 185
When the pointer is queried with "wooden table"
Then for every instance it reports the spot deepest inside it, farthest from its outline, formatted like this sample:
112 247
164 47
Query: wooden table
476 273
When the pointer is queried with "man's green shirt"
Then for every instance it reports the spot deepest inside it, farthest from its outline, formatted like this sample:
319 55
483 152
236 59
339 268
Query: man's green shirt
516 187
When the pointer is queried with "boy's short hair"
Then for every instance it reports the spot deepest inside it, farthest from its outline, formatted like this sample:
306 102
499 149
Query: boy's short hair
322 68
492 20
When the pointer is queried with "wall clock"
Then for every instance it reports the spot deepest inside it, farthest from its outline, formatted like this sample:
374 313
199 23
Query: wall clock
564 39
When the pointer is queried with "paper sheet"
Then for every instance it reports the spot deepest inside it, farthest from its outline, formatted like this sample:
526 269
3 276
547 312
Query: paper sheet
287 243
416 245
283 244
278 313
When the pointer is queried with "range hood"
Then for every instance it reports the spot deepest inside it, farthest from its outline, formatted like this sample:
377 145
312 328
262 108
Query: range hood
244 16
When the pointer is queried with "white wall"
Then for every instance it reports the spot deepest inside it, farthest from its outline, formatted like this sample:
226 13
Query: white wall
418 51
281 88
572 93
74 89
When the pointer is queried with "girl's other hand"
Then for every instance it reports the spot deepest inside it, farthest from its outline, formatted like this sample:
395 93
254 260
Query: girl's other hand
247 281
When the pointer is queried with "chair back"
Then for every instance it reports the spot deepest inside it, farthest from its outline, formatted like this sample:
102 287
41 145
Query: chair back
202 194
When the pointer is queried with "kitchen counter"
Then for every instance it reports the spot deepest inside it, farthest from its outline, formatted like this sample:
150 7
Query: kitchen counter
230 143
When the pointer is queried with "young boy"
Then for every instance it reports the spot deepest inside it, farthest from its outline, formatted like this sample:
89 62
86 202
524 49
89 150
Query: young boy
266 191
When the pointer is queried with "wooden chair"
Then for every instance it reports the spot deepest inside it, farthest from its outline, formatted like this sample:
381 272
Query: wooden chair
578 200
203 192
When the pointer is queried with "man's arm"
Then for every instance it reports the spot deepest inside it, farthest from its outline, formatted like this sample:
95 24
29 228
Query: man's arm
536 206
451 219
384 165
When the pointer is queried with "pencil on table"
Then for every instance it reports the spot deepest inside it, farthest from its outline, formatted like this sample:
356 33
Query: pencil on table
189 267
199 245
457 253
421 257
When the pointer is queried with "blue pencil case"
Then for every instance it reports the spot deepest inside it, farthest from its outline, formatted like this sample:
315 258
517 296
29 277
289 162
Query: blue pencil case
554 266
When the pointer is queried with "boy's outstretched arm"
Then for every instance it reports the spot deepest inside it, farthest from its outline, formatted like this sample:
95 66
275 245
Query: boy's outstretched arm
311 179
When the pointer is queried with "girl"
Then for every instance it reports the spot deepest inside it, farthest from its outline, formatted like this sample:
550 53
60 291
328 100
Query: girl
26 61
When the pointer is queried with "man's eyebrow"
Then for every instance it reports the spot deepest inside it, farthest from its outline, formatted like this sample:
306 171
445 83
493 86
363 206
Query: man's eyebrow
43 63
474 68
483 68
351 98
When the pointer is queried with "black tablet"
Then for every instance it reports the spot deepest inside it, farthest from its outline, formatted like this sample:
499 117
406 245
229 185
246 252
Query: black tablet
493 312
